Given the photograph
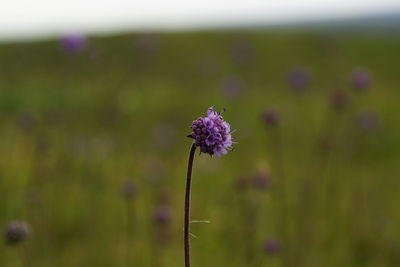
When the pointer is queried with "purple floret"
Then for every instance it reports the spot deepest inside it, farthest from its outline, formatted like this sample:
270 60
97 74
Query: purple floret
361 79
162 215
212 134
299 79
272 247
73 43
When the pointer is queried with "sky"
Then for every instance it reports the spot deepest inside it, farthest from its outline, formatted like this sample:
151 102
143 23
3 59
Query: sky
21 19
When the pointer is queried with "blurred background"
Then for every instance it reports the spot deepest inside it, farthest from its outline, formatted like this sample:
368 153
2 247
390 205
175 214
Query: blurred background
96 100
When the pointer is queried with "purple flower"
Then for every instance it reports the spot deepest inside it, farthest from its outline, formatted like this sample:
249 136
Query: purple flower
242 52
368 121
232 87
361 79
212 134
271 117
73 43
27 122
339 100
148 42
163 136
16 232
299 79
162 215
129 189
242 182
272 247
261 180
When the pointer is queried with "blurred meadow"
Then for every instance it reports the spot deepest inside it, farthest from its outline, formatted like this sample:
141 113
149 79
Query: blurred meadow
93 149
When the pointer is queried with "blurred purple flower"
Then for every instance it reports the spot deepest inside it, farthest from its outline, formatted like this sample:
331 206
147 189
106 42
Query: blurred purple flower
27 122
361 79
368 121
272 247
16 232
212 134
129 189
162 215
148 42
164 136
242 52
270 117
74 43
299 79
339 100
261 180
242 182
207 67
232 87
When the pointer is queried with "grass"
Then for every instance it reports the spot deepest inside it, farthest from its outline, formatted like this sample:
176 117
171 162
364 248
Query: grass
75 127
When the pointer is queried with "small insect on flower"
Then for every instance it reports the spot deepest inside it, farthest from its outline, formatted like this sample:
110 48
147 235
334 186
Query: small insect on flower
16 232
212 134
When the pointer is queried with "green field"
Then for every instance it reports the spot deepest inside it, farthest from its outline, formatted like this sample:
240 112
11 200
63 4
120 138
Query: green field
74 127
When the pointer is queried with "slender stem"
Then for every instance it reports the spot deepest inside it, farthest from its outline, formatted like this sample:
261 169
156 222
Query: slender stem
24 256
129 228
187 206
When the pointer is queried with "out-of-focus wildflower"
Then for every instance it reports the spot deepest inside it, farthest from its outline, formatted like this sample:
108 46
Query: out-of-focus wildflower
299 79
242 182
212 134
361 79
162 215
164 136
272 246
339 100
271 117
232 87
368 121
261 180
129 189
27 122
242 52
74 43
148 42
16 232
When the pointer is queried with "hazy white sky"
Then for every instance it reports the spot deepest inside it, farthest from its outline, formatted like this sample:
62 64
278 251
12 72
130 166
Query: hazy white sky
31 18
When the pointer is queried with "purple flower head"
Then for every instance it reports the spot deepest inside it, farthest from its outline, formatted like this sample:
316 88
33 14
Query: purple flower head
212 134
27 122
129 189
361 79
272 247
368 121
73 43
162 215
261 180
242 182
299 79
339 100
148 43
242 52
233 87
270 117
163 136
16 232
